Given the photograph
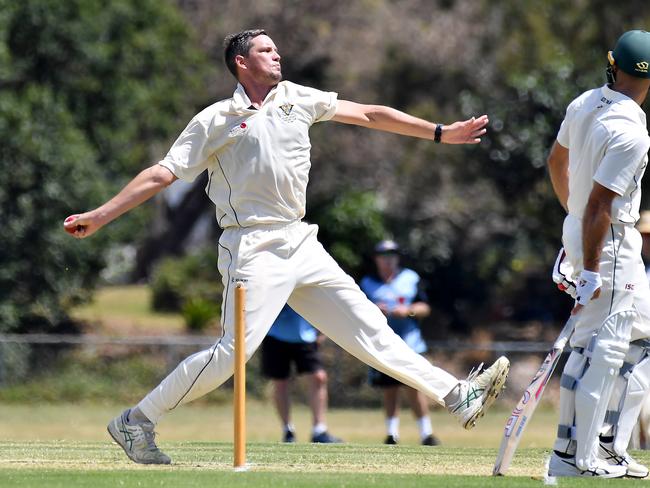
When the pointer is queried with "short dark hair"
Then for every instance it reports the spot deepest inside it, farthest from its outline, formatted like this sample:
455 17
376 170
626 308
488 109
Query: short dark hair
238 44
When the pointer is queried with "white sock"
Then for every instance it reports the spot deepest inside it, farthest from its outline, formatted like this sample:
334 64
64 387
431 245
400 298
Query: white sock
424 424
289 428
319 428
392 426
136 416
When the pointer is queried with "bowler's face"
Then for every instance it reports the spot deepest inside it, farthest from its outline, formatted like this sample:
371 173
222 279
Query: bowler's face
263 60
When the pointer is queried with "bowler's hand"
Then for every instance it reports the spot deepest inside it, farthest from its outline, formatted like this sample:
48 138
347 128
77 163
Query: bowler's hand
465 132
82 225
587 289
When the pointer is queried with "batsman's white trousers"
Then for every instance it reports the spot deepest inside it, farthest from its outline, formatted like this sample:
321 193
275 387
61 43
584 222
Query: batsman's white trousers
625 285
286 263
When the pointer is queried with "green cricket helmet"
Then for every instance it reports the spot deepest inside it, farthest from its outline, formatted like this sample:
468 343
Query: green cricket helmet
632 53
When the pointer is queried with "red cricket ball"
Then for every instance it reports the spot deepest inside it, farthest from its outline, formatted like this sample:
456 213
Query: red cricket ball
71 230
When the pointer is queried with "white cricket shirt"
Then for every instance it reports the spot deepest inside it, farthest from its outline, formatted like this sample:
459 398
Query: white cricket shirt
605 132
258 160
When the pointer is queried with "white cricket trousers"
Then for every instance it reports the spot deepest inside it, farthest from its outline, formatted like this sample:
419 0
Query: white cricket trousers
625 285
281 264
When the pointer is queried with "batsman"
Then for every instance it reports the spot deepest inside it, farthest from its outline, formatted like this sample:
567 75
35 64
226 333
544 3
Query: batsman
596 165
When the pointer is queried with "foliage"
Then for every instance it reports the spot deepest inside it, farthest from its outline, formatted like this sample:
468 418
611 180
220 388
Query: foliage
351 224
123 77
116 66
189 285
87 87
47 166
198 313
79 377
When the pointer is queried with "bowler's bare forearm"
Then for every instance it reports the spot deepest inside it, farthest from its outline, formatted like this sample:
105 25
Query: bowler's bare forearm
140 189
388 119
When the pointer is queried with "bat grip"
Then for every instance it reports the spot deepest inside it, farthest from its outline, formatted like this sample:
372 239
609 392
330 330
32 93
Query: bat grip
566 333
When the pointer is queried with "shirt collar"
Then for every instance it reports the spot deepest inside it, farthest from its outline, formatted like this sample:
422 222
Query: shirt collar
240 100
616 96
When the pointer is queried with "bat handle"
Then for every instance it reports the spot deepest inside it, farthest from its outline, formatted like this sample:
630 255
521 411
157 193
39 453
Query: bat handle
566 333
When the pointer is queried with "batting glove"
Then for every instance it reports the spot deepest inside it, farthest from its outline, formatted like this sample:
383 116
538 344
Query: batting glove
562 274
588 283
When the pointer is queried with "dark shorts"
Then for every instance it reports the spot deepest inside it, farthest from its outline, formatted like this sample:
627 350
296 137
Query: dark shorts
277 357
381 380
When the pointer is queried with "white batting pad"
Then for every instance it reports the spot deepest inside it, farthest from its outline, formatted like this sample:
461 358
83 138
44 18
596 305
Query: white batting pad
595 387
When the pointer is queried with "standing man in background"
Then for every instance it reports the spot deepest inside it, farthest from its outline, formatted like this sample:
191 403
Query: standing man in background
596 165
255 147
292 339
399 294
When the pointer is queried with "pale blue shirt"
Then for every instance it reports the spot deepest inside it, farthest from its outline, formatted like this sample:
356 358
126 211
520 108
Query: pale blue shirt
291 327
402 290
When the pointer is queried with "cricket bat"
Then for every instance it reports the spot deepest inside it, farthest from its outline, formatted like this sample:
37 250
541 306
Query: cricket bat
524 410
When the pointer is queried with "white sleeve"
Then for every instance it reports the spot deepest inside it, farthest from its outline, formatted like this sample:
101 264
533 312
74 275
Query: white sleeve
321 105
563 133
190 155
625 151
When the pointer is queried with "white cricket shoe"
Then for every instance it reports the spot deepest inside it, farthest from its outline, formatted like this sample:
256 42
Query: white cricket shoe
633 467
479 391
137 440
566 466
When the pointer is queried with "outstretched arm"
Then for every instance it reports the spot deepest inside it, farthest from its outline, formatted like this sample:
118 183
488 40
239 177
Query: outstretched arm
391 120
558 169
140 189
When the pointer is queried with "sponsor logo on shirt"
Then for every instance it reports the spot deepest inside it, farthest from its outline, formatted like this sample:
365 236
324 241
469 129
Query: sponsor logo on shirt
286 112
238 130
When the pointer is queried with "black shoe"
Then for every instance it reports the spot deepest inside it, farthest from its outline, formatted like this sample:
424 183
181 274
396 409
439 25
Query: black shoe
431 440
325 438
289 436
390 439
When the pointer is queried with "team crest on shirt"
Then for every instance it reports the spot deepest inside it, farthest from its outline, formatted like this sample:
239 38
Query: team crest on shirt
286 112
238 130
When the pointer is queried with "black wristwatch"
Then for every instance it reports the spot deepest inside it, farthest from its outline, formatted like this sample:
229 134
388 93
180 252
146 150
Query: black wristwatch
438 134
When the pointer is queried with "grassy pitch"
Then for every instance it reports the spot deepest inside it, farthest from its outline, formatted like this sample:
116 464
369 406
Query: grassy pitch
50 446
66 464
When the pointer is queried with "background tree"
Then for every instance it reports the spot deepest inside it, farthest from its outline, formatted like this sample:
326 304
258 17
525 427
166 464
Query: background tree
88 92
480 223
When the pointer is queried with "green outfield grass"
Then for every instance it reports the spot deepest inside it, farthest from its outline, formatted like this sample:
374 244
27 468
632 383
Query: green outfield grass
126 309
87 422
67 446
